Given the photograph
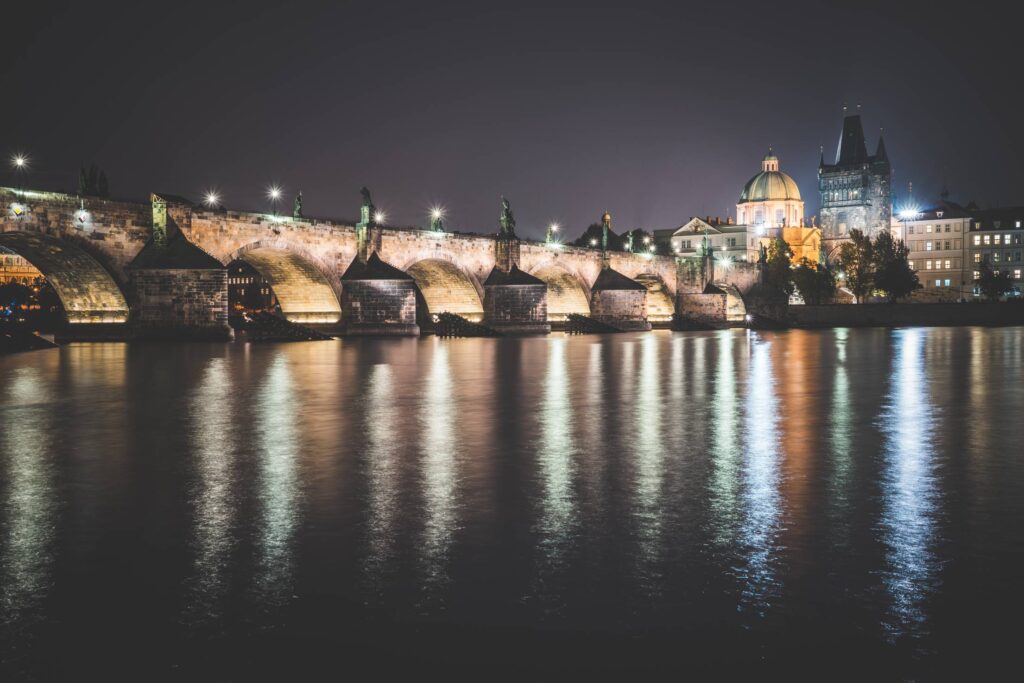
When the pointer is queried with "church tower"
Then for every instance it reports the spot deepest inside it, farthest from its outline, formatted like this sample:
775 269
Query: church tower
856 190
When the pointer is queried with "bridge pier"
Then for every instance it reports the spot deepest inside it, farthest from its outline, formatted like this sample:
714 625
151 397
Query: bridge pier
378 299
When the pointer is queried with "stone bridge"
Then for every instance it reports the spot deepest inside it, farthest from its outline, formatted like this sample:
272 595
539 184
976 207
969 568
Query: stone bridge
91 250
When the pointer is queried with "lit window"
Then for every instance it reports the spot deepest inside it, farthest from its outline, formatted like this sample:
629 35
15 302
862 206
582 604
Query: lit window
927 265
928 228
949 264
947 282
995 239
987 240
1016 274
910 264
927 246
977 257
1006 239
938 283
977 239
977 275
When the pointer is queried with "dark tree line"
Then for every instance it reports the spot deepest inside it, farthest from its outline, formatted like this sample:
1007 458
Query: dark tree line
877 266
92 182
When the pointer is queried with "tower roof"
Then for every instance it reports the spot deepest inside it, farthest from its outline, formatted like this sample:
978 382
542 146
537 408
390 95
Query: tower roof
852 149
770 184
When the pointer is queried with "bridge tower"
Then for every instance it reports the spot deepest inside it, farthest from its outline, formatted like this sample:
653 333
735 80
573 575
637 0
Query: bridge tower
515 302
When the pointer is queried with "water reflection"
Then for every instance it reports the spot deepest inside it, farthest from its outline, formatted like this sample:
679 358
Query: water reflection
760 494
650 454
725 447
278 449
212 493
29 505
382 469
439 455
555 459
909 496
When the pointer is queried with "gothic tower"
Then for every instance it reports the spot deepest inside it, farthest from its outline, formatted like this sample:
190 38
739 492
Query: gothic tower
856 190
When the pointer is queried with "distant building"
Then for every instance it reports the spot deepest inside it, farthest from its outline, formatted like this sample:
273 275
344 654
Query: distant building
769 206
856 190
14 268
247 289
996 235
937 239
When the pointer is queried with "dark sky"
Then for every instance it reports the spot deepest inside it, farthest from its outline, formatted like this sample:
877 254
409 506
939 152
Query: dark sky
655 111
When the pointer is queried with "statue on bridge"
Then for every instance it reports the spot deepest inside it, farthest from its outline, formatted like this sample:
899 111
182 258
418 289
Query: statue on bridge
507 220
367 210
297 206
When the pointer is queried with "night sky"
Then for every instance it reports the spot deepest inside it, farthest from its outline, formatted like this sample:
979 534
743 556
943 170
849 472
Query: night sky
653 111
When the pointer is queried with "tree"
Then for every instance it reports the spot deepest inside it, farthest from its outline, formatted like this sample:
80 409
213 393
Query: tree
778 273
857 263
815 282
591 238
993 283
892 272
92 182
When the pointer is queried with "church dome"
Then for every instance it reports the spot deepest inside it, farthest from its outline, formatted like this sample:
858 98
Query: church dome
770 184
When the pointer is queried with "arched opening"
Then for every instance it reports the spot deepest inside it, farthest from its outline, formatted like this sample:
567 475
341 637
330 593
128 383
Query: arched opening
86 291
566 294
444 288
660 306
294 286
249 292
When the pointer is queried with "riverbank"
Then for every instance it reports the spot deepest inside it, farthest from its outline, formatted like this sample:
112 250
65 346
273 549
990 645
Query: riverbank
907 315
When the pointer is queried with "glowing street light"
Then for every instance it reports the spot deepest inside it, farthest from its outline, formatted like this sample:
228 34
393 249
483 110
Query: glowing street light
436 218
274 194
552 229
19 162
379 217
593 242
211 199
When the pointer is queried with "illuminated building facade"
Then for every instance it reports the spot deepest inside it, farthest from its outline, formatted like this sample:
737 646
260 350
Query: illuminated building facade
997 235
937 240
14 268
856 190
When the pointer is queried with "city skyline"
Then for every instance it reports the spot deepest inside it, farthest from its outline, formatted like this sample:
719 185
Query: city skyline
582 110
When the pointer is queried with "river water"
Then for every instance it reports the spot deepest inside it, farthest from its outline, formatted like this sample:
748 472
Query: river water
817 503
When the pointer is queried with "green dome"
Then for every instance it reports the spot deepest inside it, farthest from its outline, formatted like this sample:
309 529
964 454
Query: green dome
769 186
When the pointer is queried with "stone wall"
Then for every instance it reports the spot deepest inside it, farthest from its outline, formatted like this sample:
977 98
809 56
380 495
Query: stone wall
703 307
379 307
625 308
896 315
516 308
180 304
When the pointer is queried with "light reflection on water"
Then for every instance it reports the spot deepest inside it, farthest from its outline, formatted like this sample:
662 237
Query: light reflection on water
616 483
437 417
212 494
760 482
909 494
28 506
278 444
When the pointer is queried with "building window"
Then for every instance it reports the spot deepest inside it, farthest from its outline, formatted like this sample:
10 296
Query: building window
910 230
997 224
928 228
949 264
928 265
977 257
977 274
910 264
938 283
1016 274
947 282
987 240
977 239
956 227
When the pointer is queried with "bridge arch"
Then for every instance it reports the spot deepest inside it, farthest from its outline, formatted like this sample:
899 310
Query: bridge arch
660 306
567 292
303 289
445 287
87 290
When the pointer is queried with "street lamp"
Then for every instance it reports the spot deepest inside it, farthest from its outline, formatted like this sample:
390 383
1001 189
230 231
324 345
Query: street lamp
211 199
274 194
436 218
19 162
378 217
550 237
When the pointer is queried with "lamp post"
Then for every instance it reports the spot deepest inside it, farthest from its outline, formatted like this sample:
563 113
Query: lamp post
437 219
211 199
274 194
549 238
19 162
